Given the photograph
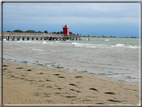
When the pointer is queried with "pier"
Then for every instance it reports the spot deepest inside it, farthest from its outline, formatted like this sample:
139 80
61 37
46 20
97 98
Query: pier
15 36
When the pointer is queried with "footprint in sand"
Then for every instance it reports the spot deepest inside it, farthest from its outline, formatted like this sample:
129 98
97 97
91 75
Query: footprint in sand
47 80
72 89
5 69
59 88
56 74
76 90
5 65
72 84
61 77
99 103
110 93
113 100
93 89
29 70
19 68
70 96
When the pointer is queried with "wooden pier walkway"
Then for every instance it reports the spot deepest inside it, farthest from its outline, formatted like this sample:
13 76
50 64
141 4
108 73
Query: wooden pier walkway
38 36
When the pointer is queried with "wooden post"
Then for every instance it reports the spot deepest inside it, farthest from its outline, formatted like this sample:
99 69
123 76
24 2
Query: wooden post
23 37
7 38
27 38
29 35
50 38
73 37
18 38
13 37
20 35
58 36
89 37
81 37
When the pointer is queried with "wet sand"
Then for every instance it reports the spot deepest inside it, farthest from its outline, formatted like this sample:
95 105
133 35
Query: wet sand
29 84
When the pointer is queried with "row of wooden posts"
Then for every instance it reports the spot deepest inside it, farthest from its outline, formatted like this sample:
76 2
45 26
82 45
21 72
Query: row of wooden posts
38 36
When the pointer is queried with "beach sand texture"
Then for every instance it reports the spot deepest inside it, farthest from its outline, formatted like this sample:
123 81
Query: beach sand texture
29 84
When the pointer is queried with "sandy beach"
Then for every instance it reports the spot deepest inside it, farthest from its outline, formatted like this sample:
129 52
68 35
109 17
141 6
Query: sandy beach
29 84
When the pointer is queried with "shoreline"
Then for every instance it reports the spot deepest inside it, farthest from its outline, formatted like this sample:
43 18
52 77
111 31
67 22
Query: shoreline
30 84
53 65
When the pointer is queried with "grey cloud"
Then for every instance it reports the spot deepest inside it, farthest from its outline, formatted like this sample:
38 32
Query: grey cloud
73 12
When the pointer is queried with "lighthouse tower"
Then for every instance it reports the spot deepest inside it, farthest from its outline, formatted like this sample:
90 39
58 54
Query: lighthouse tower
66 30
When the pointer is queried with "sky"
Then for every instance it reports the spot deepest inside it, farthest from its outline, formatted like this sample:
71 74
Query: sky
96 19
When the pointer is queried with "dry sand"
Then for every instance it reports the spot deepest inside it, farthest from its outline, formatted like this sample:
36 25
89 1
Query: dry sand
27 84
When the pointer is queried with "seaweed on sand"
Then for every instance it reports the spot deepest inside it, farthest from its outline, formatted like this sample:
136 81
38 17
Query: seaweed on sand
24 62
82 71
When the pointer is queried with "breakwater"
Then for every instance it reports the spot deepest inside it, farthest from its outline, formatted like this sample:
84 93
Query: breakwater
38 36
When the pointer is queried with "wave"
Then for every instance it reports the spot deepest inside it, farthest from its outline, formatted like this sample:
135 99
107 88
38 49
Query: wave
106 39
25 42
57 43
85 45
44 42
77 44
4 39
134 47
91 46
118 45
125 46
37 49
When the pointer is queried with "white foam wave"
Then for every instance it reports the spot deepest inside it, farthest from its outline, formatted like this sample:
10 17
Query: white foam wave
4 39
44 42
77 44
52 43
25 42
125 46
37 49
84 45
133 47
91 46
120 45
106 39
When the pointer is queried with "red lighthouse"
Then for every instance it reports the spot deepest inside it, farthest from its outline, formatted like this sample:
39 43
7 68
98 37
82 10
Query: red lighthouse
66 30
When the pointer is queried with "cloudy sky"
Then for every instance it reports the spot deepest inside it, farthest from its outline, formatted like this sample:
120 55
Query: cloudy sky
96 19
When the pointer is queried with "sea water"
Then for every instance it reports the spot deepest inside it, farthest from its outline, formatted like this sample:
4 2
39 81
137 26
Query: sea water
116 58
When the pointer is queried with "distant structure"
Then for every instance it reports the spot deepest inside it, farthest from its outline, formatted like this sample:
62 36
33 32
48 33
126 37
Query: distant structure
40 36
66 30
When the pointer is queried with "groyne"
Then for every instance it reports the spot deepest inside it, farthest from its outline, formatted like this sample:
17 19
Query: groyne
38 36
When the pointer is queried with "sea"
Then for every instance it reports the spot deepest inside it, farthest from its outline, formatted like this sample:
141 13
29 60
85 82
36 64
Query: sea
115 58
